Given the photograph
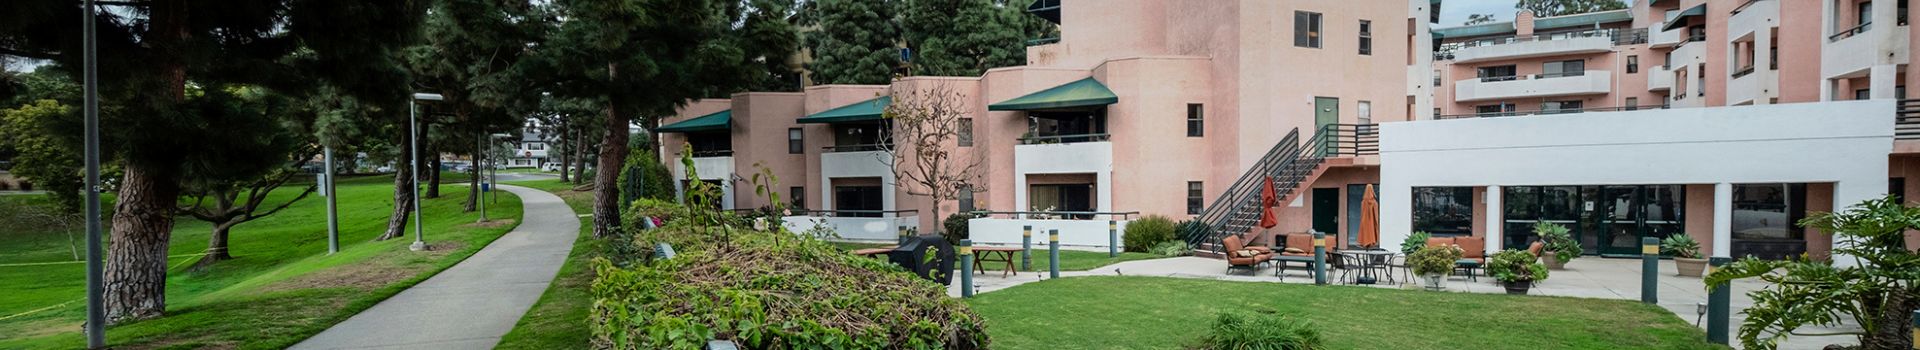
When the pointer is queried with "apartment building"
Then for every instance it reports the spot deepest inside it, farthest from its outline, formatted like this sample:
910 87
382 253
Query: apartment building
1678 131
1140 107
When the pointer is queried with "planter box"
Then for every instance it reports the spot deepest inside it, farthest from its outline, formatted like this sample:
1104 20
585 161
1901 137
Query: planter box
1690 267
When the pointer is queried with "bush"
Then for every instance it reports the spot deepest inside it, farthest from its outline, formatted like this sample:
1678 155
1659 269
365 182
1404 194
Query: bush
1558 240
1171 248
645 177
1680 246
1414 242
664 210
771 291
1192 230
1238 331
1146 232
955 227
1513 265
1432 260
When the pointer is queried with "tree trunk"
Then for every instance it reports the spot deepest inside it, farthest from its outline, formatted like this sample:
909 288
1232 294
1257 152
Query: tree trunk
606 189
433 182
136 271
217 249
566 155
580 158
402 193
473 183
1896 324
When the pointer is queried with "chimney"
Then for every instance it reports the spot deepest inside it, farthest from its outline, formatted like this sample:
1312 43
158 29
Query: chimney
1523 23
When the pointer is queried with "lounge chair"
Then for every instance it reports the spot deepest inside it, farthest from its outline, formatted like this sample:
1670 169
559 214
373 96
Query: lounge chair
1241 256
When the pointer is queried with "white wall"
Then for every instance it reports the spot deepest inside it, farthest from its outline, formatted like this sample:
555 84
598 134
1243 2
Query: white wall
857 164
1065 158
1591 82
1536 48
1079 233
860 229
1845 143
710 168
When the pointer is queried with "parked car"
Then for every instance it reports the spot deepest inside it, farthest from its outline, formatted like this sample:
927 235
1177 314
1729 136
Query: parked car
550 167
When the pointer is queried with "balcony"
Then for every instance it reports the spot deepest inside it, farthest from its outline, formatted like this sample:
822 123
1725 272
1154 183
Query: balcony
1852 51
1037 155
855 162
1748 86
853 148
1659 78
1052 139
1536 46
856 225
1547 112
1567 84
1077 229
1666 38
1752 17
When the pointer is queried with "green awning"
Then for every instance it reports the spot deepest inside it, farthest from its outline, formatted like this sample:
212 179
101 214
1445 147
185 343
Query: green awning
1584 20
868 110
1086 92
1680 20
722 120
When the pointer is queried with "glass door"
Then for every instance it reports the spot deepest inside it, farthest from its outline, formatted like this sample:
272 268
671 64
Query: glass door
1625 214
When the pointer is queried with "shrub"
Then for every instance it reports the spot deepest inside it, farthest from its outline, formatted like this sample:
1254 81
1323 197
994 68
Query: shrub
1432 260
664 210
645 177
1233 330
955 227
1192 230
1680 246
1876 294
1558 240
1170 248
771 291
1146 232
1514 265
1414 242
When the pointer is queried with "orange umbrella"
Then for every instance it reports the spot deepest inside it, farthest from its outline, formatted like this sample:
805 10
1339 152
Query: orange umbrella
1268 199
1369 219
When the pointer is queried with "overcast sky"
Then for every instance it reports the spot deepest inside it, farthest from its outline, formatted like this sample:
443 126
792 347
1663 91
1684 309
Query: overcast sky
1454 12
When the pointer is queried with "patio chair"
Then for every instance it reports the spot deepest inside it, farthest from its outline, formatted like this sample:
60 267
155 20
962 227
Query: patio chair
1240 256
1536 249
1473 256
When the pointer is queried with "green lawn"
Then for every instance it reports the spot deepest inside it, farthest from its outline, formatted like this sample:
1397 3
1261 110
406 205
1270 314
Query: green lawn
281 288
1164 313
559 319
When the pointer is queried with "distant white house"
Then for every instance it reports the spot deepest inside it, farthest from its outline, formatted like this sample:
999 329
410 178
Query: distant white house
529 151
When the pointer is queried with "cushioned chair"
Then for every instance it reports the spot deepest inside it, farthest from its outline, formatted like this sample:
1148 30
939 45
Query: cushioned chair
1240 256
1536 248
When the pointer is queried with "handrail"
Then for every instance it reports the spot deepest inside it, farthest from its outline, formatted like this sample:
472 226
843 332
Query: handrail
1559 75
1499 78
854 148
1617 36
1850 32
1043 41
1076 138
1124 215
713 153
1349 140
1243 190
1906 120
1546 112
843 213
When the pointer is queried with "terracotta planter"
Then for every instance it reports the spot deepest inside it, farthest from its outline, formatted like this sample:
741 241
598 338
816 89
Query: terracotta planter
1553 263
1517 288
1690 267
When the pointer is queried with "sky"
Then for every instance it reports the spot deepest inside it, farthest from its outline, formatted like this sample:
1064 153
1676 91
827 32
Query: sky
1454 12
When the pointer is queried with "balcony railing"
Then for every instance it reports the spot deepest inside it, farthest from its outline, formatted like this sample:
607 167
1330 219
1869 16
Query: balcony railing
854 148
855 213
1043 41
1338 140
1546 112
1906 120
1052 139
1850 32
1560 74
713 153
1058 215
1742 72
1620 37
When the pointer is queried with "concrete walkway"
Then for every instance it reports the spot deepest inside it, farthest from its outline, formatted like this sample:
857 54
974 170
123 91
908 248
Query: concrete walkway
472 304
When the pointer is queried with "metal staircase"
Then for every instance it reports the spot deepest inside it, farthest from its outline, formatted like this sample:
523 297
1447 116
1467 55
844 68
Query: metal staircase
1290 163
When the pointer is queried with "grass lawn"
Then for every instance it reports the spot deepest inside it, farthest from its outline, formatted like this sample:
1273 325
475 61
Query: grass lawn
281 287
559 319
1070 260
1164 313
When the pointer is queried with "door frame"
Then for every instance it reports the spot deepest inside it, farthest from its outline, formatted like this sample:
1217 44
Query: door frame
1330 215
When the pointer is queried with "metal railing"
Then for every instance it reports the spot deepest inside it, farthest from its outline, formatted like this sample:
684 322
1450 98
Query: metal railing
1060 215
854 148
1560 74
1076 138
1850 32
713 153
1546 112
1043 41
856 213
1344 140
1618 36
1237 209
1906 120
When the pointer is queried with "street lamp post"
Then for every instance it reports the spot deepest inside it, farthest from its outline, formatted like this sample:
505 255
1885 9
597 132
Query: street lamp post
413 128
333 213
478 194
96 271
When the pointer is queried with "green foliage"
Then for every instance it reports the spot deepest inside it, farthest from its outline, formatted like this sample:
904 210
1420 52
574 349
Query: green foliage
1262 331
1680 246
1433 260
1147 232
1878 295
964 37
1550 8
41 158
956 227
666 211
645 178
1192 230
768 292
857 42
1513 265
1414 242
1559 240
1171 248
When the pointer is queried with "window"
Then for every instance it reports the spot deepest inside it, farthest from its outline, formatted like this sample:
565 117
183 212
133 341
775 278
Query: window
865 199
1633 64
536 146
1496 109
1768 211
1194 199
1773 58
1366 112
1366 37
1497 73
966 132
794 141
1633 103
1897 187
1555 69
1306 29
1560 106
966 199
1866 14
1436 78
1196 120
1443 211
1862 94
798 195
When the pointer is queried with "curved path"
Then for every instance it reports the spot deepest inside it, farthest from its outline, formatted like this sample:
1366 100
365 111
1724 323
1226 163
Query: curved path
472 304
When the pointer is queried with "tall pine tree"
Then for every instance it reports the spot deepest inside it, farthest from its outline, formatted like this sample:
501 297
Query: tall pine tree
852 41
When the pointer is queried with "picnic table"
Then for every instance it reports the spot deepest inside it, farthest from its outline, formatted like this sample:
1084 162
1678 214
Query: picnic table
986 254
872 252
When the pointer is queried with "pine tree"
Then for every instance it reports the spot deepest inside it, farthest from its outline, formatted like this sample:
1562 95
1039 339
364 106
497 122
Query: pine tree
1550 8
852 41
964 37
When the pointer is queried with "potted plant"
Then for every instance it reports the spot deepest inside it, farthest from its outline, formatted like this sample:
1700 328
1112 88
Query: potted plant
1516 269
1560 245
1414 242
1433 264
1686 254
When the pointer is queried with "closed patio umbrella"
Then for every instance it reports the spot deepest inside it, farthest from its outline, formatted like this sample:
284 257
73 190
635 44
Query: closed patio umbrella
1268 199
1369 219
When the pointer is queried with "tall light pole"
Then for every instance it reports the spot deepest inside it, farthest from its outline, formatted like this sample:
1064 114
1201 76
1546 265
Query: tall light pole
96 272
479 196
413 128
333 214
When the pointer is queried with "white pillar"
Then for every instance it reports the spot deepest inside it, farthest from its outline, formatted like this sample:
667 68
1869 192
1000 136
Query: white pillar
1880 80
1396 212
1851 192
1769 79
1495 223
1722 220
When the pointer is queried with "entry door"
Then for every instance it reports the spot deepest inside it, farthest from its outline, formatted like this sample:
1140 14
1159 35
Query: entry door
1326 210
1326 111
1625 214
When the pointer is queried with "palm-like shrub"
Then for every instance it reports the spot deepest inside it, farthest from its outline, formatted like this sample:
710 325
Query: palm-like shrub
1878 294
1680 246
1239 331
1146 232
1414 242
1559 240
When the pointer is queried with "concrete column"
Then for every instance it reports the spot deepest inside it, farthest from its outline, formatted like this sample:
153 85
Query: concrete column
1495 222
1396 215
1848 193
1881 78
1761 60
1020 194
1722 220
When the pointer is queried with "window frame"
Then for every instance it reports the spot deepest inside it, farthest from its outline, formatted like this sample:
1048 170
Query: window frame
1196 120
965 131
796 141
1633 64
797 197
1196 197
1307 29
1366 37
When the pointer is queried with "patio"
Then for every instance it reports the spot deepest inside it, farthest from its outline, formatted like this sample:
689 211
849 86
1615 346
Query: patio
1589 277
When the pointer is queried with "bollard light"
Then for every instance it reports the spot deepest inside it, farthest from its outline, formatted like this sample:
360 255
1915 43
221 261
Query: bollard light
966 268
1053 253
1026 248
1113 239
1649 270
1319 258
1718 296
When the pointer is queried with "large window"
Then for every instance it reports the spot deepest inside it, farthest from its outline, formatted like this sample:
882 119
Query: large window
966 199
1306 29
1633 64
1061 197
1493 109
1443 211
863 198
1768 211
798 196
1196 120
1560 106
1366 37
1569 68
711 143
1497 73
966 132
1067 126
794 141
1195 201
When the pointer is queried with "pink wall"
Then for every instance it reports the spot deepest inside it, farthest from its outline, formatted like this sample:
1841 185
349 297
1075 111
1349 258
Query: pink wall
670 143
761 120
1149 127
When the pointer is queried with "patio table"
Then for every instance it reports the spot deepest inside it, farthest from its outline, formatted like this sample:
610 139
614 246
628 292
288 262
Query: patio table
1280 264
1471 266
1370 260
986 254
